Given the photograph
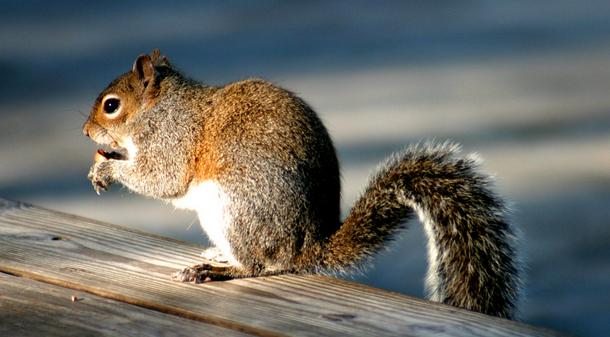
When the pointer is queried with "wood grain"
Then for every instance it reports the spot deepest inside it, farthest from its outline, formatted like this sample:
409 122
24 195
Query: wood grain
134 267
31 308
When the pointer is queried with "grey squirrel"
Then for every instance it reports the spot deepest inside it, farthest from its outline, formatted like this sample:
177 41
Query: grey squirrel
259 167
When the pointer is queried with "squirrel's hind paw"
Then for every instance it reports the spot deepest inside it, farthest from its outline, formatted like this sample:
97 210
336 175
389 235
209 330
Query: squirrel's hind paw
203 273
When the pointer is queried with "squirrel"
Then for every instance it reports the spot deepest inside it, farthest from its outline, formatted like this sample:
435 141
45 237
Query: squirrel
259 167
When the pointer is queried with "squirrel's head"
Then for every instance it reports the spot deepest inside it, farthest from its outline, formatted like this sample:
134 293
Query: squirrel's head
130 94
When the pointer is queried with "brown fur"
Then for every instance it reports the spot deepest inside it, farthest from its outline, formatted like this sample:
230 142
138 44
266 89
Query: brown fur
273 159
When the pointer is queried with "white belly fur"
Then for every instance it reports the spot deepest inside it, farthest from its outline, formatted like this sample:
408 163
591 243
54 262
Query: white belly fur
211 204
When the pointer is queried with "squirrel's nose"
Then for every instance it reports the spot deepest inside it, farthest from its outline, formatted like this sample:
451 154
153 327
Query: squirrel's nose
86 131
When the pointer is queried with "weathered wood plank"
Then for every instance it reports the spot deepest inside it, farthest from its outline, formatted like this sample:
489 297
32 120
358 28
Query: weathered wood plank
31 308
134 267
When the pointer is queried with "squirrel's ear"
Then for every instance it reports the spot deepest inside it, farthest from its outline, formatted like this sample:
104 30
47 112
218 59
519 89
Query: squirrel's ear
158 59
144 69
155 54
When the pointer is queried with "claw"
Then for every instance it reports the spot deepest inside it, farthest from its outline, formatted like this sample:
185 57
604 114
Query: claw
202 273
98 186
98 178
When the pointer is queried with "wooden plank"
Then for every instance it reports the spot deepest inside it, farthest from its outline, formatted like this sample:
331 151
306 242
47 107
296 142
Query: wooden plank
134 267
31 308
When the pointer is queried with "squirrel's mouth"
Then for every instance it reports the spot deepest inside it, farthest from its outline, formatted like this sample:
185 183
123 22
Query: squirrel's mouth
116 155
116 152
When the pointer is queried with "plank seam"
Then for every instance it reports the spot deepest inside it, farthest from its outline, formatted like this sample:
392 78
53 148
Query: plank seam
220 322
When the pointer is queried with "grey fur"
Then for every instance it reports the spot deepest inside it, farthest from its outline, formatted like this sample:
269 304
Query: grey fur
274 159
476 265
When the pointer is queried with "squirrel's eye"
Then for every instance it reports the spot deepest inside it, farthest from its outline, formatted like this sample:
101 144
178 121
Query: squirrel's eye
111 105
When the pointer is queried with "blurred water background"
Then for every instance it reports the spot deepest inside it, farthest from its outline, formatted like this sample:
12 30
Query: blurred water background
525 84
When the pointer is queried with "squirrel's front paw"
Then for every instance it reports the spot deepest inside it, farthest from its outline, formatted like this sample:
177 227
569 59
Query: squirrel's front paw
100 175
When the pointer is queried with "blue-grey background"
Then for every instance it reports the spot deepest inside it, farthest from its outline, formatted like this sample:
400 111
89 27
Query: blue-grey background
525 84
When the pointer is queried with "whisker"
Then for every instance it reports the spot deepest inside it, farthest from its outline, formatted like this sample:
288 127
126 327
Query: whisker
113 137
72 129
191 225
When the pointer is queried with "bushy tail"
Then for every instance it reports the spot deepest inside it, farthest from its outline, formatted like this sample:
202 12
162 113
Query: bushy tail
471 253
